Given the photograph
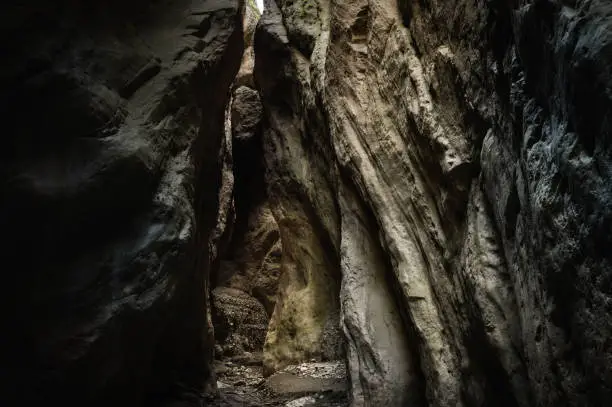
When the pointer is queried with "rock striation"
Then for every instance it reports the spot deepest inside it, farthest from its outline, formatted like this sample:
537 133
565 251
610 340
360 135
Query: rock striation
446 167
422 189
297 156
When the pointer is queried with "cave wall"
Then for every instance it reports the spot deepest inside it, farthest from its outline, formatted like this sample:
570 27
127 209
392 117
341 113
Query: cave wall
461 149
297 157
546 169
430 182
113 119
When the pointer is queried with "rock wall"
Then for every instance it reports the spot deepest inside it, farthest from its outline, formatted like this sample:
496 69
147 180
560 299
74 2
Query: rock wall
423 188
113 116
246 281
547 174
447 164
297 156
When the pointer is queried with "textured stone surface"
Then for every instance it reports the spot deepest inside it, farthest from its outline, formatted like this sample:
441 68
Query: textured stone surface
240 321
305 322
246 114
461 156
549 181
378 349
251 17
254 266
252 260
113 121
429 187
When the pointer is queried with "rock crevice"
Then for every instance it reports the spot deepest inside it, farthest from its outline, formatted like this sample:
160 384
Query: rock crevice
418 189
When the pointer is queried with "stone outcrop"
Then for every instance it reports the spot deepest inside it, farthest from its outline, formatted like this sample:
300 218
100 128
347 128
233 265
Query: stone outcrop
297 154
113 125
251 17
420 188
450 161
240 321
547 173
253 259
379 350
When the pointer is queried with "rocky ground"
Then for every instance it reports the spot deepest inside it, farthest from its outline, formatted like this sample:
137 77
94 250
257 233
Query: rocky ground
241 383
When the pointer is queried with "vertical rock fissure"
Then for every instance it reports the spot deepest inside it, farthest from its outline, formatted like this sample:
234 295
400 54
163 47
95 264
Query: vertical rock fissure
391 202
275 299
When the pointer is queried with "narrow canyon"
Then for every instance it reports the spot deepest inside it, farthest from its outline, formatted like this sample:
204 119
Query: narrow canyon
365 203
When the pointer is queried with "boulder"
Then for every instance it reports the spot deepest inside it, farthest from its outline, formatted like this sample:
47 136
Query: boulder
240 321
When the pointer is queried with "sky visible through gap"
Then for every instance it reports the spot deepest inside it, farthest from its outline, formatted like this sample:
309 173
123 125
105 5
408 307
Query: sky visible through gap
259 4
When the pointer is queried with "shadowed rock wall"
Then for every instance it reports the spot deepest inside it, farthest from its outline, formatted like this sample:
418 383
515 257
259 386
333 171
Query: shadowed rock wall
113 120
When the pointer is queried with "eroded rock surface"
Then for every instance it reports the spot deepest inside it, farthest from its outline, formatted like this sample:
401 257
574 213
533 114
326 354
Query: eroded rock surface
421 187
113 123
305 322
249 266
251 17
452 160
240 321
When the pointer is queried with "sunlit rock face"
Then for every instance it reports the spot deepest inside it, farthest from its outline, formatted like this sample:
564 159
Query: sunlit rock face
114 115
443 169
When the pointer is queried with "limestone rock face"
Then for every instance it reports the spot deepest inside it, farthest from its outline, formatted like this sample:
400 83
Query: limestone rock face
253 263
305 322
251 17
379 350
446 166
254 267
420 188
548 178
113 119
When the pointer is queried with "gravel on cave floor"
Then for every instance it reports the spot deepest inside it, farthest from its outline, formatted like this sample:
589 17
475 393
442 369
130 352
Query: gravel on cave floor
241 383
